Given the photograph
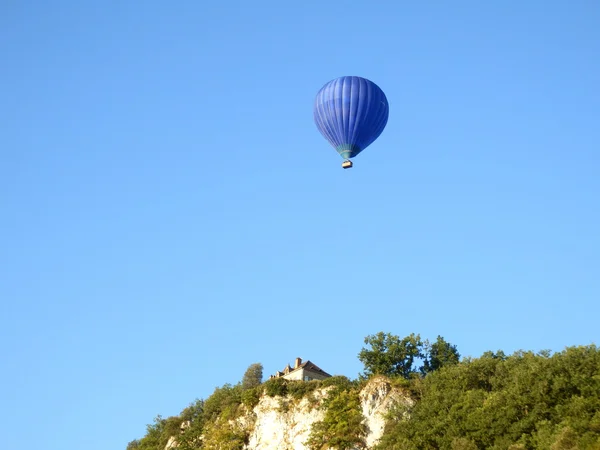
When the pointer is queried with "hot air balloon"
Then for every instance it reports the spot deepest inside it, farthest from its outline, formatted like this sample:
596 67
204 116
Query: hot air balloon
351 113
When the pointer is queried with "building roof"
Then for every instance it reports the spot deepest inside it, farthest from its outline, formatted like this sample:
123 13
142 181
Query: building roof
307 365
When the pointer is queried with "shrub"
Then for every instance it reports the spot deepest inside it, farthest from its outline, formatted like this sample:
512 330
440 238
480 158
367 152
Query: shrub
300 389
250 397
224 401
253 376
275 387
343 426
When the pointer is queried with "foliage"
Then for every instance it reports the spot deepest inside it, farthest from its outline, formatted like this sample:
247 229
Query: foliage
393 357
193 412
438 355
276 387
251 397
253 376
339 381
157 433
193 417
343 425
299 389
523 401
280 387
389 355
224 435
133 445
224 402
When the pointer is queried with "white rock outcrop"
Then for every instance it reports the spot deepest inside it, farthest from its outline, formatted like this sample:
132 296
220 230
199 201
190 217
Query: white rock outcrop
281 427
377 398
283 423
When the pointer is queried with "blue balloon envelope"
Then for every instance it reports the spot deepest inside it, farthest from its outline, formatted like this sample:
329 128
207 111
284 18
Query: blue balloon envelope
351 113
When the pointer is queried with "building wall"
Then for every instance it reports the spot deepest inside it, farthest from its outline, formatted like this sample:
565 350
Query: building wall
295 375
300 374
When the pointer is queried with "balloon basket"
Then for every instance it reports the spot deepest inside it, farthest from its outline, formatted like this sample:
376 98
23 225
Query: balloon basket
347 164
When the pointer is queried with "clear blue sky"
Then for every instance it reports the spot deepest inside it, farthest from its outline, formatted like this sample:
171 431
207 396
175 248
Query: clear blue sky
170 213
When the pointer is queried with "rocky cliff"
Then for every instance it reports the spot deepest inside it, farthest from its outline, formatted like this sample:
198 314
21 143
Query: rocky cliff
284 423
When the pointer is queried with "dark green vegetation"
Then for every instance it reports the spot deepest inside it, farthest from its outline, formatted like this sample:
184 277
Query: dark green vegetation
525 400
394 357
342 427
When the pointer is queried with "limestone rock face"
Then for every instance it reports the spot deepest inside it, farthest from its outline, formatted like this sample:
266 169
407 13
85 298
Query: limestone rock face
377 398
281 427
283 423
171 443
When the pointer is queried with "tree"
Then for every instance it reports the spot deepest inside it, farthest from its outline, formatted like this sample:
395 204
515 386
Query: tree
224 434
439 354
153 440
133 444
522 401
343 426
253 376
389 355
191 433
194 411
224 402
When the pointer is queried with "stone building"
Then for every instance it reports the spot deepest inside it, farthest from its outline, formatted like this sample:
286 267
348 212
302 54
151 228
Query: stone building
304 371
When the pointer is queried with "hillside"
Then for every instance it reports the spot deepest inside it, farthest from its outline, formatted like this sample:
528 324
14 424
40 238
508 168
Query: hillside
525 400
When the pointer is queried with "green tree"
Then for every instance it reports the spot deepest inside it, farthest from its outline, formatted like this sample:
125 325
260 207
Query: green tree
253 376
223 434
193 417
523 401
439 354
389 355
193 412
342 427
133 445
153 438
224 402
